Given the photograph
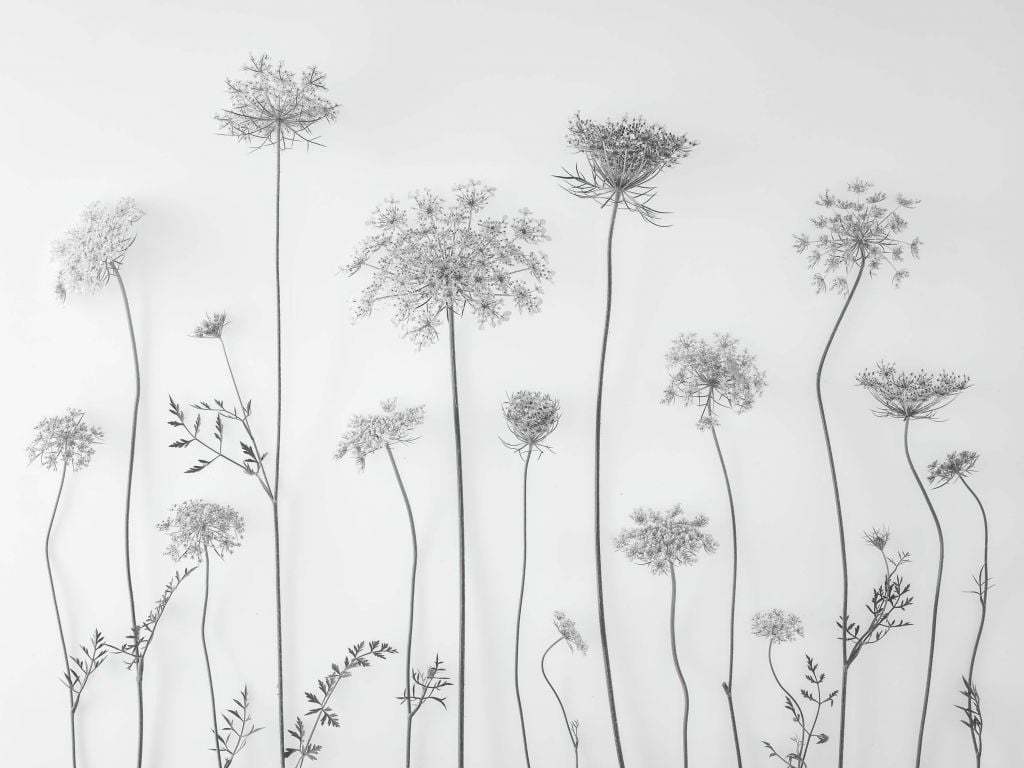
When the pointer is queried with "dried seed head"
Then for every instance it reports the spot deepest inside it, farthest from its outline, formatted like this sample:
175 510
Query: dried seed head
955 466
531 418
211 327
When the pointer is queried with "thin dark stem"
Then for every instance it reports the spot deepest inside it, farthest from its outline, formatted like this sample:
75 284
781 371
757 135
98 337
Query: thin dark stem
679 671
264 481
796 703
839 508
277 458
206 654
601 623
573 739
938 590
728 686
519 611
140 664
983 598
56 612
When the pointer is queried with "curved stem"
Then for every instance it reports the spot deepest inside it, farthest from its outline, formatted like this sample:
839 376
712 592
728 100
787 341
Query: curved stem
796 702
983 598
568 726
56 612
938 590
839 507
206 653
277 457
412 610
601 623
675 661
727 686
519 612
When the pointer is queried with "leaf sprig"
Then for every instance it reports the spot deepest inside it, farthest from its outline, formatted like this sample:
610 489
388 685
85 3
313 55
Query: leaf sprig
426 685
138 640
83 667
238 727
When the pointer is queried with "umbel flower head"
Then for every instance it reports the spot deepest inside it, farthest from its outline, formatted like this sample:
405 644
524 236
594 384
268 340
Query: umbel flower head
777 625
715 374
877 538
196 527
662 540
211 326
917 395
66 439
862 230
623 157
567 629
955 466
440 255
367 434
91 251
274 105
531 417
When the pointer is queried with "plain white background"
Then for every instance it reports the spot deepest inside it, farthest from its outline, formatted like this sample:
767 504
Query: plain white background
105 99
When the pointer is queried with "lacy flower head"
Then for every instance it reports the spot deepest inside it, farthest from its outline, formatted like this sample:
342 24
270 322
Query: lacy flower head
274 105
664 539
531 417
367 434
440 255
196 527
917 395
777 625
211 326
713 375
862 230
624 157
567 629
877 538
955 466
89 253
65 439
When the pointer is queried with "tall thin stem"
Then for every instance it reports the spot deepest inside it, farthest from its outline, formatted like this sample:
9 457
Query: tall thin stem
573 738
277 455
679 671
140 663
802 722
601 623
409 712
983 598
839 508
56 612
727 686
206 653
519 611
938 590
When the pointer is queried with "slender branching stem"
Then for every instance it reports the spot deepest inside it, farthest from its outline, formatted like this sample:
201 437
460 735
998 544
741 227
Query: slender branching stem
206 653
679 671
519 611
573 738
243 407
56 612
802 722
983 584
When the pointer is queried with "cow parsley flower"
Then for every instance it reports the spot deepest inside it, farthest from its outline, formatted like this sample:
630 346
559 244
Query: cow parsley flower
65 439
197 526
531 417
368 434
956 465
662 540
712 374
211 326
862 231
567 629
917 395
777 625
91 251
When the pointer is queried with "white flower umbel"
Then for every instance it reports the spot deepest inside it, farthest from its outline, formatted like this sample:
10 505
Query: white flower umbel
198 527
369 433
64 440
91 251
777 625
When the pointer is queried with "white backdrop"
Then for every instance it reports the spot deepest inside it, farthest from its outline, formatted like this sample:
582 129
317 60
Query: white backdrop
106 99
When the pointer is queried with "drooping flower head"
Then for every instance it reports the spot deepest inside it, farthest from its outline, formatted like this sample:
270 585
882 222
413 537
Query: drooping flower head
663 539
441 255
367 434
715 374
197 526
624 157
273 104
65 439
91 251
955 466
567 629
877 538
861 230
211 326
531 417
917 395
777 625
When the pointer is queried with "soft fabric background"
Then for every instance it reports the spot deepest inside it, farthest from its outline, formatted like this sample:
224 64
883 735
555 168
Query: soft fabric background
112 98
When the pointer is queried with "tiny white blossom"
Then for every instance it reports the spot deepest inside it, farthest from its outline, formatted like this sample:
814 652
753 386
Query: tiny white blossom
368 434
777 625
65 439
567 629
197 526
91 251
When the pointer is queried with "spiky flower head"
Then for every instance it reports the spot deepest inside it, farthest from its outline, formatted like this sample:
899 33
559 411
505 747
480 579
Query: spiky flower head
716 374
915 395
567 629
441 255
211 326
65 439
531 417
93 249
273 105
197 526
777 625
370 433
877 538
860 231
956 466
663 539
624 157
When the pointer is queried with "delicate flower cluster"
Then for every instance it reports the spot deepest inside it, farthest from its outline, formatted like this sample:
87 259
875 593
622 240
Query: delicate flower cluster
877 538
440 256
855 232
662 540
273 105
196 527
956 465
777 625
567 629
531 417
715 374
66 439
211 326
918 395
624 157
370 433
89 253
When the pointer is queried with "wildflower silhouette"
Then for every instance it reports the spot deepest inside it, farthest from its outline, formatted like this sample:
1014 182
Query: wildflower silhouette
568 634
